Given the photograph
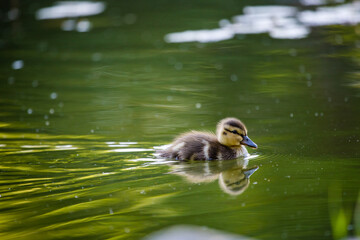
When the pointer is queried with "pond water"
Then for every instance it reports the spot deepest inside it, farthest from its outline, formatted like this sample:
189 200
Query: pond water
85 101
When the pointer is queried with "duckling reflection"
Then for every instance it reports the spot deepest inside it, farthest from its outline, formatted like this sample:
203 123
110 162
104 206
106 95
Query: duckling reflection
235 181
233 175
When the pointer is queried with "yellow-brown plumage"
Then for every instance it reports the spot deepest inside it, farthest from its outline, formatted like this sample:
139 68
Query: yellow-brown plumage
228 143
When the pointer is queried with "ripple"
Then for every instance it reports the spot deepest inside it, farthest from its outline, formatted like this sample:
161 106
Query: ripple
65 147
34 146
118 145
65 190
129 150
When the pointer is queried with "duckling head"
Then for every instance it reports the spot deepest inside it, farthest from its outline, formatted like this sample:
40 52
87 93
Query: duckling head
233 133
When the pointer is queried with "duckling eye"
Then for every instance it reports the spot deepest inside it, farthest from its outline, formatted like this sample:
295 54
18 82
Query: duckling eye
233 131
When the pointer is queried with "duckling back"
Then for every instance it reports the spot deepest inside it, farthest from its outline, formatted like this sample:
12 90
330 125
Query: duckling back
199 146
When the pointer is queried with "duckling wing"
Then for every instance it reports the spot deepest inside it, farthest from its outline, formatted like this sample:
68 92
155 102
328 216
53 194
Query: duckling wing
194 146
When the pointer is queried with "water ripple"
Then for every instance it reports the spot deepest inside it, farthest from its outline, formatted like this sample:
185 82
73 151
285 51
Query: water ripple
71 182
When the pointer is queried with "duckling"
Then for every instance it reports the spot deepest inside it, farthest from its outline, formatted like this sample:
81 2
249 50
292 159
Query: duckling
228 143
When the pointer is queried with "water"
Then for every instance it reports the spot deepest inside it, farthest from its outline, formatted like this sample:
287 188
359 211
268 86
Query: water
84 103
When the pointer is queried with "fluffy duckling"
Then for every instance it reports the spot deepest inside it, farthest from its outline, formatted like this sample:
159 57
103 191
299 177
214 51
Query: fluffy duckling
228 143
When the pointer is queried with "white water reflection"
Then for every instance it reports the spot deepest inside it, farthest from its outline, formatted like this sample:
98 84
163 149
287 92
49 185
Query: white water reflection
129 150
318 2
339 15
280 22
213 35
70 9
103 147
118 145
83 26
65 147
291 31
34 146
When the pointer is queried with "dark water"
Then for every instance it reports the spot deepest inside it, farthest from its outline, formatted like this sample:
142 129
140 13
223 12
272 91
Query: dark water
81 114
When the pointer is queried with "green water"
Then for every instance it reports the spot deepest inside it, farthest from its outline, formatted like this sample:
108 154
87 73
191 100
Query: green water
80 120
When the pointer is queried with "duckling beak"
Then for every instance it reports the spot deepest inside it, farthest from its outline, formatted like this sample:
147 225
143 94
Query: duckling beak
247 141
248 172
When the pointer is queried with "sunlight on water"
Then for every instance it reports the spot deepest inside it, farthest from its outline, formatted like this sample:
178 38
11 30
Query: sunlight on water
131 150
281 22
70 9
